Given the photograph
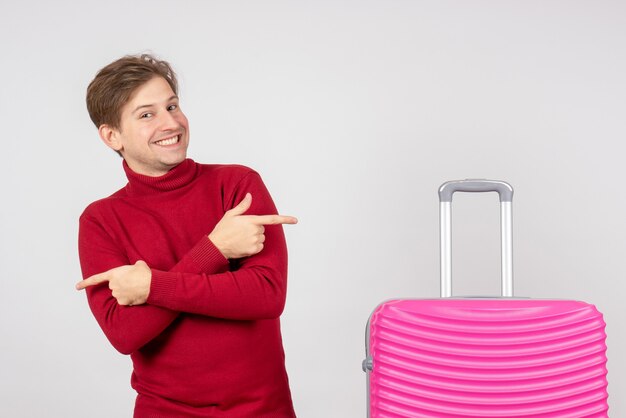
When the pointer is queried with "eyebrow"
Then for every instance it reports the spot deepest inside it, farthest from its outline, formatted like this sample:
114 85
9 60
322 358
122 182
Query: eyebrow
153 104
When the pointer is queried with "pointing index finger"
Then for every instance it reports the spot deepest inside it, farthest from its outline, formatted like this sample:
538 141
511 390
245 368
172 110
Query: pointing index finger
275 220
91 281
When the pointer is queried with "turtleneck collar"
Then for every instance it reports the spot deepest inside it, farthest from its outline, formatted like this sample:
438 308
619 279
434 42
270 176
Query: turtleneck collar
177 177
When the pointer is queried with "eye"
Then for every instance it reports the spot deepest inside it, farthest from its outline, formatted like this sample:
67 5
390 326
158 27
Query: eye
172 107
146 115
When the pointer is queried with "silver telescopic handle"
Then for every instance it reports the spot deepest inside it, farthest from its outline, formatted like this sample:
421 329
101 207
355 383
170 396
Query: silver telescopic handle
506 229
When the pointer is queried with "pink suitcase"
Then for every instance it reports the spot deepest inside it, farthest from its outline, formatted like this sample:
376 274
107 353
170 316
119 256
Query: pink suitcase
485 357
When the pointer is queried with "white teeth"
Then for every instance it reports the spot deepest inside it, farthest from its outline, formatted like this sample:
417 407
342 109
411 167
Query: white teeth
168 141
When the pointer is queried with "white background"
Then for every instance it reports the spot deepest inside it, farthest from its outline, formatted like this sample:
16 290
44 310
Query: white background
354 112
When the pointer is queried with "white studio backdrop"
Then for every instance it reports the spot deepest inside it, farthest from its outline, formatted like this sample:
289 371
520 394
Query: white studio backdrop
354 112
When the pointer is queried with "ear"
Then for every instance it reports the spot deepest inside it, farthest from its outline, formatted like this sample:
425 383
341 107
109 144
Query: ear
111 137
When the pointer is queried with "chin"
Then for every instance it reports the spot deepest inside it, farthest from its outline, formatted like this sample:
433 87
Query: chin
171 162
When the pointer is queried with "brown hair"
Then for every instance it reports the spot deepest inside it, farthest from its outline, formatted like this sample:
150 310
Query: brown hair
114 84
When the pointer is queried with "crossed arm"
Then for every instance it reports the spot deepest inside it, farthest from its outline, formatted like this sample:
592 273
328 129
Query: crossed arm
142 301
236 235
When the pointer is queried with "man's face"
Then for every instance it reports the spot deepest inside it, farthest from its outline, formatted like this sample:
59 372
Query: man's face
154 133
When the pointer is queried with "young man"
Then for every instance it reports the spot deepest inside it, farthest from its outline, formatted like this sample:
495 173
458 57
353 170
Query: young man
186 266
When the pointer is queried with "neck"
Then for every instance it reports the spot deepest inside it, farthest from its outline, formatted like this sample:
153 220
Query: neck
154 182
148 172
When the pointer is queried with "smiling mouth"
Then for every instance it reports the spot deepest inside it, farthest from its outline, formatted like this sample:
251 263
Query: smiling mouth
168 141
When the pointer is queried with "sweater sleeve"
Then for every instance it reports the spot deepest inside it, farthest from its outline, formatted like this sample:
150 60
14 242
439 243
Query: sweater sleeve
130 328
254 288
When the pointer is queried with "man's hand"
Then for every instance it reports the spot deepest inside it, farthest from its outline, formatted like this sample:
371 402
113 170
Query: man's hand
237 235
130 284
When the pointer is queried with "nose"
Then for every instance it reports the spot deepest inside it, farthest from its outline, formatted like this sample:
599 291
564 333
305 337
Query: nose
168 122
